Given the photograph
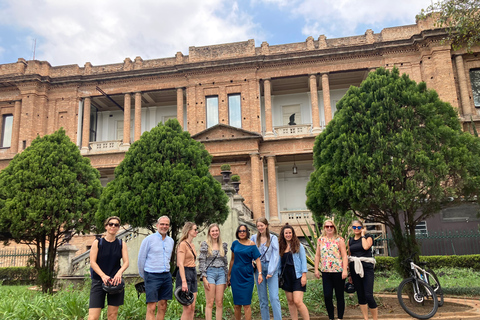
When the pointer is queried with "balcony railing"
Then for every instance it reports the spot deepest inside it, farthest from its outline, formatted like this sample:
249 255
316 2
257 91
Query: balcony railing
294 217
295 130
105 145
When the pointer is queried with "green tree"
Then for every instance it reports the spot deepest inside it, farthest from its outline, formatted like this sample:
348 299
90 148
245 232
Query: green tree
165 173
461 18
47 193
394 153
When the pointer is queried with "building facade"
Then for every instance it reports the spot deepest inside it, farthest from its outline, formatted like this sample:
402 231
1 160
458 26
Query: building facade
258 109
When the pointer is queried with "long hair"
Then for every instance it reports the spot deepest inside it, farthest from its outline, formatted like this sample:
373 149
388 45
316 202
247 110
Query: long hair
267 231
282 243
210 241
335 233
186 228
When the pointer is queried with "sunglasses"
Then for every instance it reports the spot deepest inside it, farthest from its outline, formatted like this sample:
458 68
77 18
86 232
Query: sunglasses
242 231
111 224
356 227
195 229
328 227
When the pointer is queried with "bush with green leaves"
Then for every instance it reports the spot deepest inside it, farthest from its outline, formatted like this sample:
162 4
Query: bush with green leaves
17 275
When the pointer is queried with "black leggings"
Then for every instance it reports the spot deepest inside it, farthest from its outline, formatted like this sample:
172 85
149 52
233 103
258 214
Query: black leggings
333 280
364 286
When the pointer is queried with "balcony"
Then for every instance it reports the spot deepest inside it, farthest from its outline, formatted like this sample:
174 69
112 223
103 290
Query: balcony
101 146
295 217
295 130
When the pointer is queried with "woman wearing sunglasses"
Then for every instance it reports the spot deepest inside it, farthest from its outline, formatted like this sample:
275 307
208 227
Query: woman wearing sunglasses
361 266
332 253
105 256
240 273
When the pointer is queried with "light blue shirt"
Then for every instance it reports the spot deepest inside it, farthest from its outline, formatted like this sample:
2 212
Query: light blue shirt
155 253
272 254
299 262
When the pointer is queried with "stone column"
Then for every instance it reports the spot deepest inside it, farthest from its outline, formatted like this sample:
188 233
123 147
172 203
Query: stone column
327 107
65 253
86 123
267 91
16 126
462 82
255 171
127 105
314 102
180 106
138 116
272 188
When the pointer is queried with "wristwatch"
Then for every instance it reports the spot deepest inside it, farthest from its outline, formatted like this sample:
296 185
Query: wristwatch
364 237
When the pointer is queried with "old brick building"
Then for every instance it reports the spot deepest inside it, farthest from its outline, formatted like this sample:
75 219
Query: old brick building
256 108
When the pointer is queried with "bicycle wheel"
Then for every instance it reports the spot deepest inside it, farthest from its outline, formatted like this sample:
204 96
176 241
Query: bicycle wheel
417 298
435 284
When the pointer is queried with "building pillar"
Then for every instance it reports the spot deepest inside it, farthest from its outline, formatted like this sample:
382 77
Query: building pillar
267 92
256 196
180 106
138 117
17 111
462 82
86 123
314 103
127 105
272 188
327 107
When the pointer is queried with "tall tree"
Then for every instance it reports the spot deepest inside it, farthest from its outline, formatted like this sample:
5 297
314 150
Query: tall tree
393 153
461 19
47 193
165 173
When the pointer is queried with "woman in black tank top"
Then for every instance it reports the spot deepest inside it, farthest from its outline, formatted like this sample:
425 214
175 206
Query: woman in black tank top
105 256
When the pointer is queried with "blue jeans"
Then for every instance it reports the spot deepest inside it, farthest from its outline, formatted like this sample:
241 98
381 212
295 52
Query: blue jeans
263 296
216 276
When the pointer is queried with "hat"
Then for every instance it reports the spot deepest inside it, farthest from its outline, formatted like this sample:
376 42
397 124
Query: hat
140 287
185 298
349 288
111 289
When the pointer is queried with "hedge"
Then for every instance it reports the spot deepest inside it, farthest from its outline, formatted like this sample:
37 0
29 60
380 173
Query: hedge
434 262
17 275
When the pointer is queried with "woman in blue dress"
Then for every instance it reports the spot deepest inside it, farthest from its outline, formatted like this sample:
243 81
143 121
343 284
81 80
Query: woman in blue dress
240 273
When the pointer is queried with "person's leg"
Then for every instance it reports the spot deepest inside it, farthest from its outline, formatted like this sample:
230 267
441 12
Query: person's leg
292 308
220 289
262 293
358 284
327 284
161 309
248 312
238 312
364 309
368 281
112 312
97 300
301 307
210 299
189 311
94 313
273 295
151 306
339 285
374 313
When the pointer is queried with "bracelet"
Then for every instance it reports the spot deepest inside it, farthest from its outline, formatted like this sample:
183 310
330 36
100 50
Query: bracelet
364 237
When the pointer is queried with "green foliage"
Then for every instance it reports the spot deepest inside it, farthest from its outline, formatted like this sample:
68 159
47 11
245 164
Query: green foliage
225 167
235 178
164 173
17 275
387 264
48 191
394 153
461 18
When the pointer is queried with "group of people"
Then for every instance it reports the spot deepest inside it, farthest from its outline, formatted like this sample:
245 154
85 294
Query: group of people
270 262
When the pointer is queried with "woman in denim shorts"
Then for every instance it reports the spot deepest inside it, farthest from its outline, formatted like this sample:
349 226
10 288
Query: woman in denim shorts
213 266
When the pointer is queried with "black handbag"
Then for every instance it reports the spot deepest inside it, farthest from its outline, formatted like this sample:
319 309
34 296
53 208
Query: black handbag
281 281
111 289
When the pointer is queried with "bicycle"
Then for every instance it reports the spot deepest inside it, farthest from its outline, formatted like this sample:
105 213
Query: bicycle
421 294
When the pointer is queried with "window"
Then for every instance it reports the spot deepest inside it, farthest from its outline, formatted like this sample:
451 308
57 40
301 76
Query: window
119 134
7 125
212 110
421 229
234 110
288 112
93 123
475 80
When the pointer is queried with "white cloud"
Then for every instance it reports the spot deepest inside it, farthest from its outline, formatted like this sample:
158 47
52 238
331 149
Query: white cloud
108 31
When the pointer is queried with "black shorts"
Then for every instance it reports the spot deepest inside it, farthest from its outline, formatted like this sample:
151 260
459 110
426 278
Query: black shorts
191 277
97 296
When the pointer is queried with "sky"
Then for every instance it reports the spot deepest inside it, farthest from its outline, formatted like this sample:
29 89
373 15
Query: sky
65 32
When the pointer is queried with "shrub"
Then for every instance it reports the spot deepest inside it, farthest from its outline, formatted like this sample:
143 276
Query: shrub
434 262
17 275
225 167
235 178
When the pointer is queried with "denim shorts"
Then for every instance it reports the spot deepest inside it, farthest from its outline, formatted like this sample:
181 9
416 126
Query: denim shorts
216 275
158 286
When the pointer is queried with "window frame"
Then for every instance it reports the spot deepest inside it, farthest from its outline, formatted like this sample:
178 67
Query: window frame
239 95
207 106
4 125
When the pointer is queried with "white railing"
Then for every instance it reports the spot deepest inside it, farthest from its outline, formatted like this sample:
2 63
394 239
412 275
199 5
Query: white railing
294 217
105 145
294 130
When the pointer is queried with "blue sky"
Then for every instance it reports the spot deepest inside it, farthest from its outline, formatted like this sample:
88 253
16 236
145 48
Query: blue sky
108 31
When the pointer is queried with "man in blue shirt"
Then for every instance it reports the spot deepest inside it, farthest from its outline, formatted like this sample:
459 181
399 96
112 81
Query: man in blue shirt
154 267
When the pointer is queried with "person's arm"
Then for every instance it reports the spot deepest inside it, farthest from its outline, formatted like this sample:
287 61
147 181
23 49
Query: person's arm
142 257
225 259
343 253
303 259
94 264
202 264
259 268
317 259
274 256
181 266
367 242
118 276
230 268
